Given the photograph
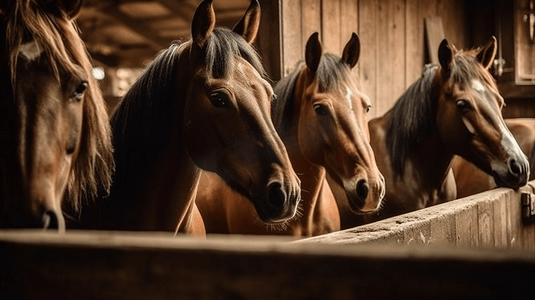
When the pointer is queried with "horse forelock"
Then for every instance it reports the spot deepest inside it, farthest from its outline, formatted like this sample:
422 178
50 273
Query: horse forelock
465 68
333 74
411 119
220 51
63 49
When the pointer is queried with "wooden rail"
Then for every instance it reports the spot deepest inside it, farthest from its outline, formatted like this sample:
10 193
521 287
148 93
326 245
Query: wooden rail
492 219
107 265
417 255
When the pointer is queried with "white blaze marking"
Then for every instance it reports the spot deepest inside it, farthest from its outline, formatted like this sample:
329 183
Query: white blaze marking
478 86
30 50
349 95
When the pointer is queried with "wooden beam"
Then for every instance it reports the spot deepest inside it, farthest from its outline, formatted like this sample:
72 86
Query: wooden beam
183 9
138 27
112 265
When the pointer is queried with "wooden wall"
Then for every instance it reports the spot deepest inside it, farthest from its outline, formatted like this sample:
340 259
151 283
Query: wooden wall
392 34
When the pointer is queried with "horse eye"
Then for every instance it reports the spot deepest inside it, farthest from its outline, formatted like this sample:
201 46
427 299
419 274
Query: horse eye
274 97
219 100
367 109
463 105
80 90
320 110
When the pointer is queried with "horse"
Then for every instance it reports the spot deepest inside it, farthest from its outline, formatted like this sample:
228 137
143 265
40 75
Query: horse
453 109
55 137
200 105
320 114
471 180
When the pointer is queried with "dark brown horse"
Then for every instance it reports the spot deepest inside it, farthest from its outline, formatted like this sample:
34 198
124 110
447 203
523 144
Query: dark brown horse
453 109
202 104
472 180
320 114
55 146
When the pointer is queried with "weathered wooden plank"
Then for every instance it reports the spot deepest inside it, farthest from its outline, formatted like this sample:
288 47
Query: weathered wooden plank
269 41
466 228
348 20
467 222
434 34
514 224
330 26
368 53
291 34
104 265
397 45
485 220
311 21
414 45
385 55
499 217
349 25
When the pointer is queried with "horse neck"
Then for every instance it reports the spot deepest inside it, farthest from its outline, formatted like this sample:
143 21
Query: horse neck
163 197
312 176
428 165
176 179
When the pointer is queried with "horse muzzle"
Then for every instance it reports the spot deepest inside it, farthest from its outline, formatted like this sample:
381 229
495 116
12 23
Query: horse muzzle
365 196
280 202
514 175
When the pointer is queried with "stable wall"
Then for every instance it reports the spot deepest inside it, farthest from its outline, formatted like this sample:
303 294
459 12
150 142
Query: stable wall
392 35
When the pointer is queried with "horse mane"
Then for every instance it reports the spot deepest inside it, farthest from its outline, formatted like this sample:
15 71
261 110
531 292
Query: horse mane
330 75
64 49
412 119
284 89
141 122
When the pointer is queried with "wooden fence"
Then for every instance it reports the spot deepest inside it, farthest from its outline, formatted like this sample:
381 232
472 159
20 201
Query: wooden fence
492 219
476 247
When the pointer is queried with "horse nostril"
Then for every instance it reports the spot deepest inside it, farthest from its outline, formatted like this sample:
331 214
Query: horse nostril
514 167
50 220
276 196
362 191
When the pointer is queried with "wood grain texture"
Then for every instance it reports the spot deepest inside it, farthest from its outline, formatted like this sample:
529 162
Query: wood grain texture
113 265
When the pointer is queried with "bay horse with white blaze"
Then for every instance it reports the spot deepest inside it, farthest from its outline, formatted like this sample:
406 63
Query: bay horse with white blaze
320 115
55 145
470 180
202 104
453 109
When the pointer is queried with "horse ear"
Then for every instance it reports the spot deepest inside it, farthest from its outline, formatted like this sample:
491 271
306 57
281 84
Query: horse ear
248 25
445 55
313 52
352 51
203 23
70 7
487 53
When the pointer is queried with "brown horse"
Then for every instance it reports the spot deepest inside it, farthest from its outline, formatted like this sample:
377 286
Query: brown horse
320 116
471 180
55 145
202 104
453 109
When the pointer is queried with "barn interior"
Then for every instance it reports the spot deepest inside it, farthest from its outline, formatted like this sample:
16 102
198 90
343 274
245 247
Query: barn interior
481 246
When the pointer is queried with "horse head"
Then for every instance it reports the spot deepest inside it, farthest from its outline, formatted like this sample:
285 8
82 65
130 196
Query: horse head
333 129
470 118
54 138
227 125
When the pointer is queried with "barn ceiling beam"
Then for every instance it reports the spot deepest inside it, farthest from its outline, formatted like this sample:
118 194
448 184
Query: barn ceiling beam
135 25
182 9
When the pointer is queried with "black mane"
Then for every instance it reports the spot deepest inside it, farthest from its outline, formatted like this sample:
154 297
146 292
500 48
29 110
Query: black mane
412 119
